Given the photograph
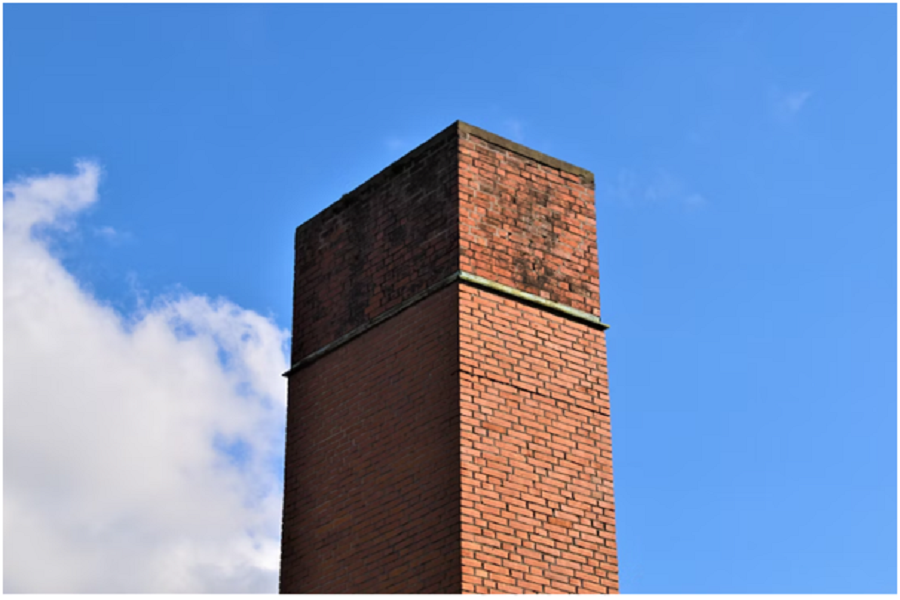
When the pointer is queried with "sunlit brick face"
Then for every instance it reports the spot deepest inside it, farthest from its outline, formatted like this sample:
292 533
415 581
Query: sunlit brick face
536 457
448 404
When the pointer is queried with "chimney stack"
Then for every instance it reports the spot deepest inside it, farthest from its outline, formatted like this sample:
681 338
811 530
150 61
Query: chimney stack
448 420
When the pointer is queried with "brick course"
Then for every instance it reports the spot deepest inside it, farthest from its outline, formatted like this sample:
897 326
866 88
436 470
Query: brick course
451 436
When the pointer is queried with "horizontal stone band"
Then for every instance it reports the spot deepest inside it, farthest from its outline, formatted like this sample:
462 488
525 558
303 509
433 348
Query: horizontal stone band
475 280
562 309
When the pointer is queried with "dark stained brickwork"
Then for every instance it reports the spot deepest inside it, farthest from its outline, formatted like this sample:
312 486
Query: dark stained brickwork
462 442
526 224
380 244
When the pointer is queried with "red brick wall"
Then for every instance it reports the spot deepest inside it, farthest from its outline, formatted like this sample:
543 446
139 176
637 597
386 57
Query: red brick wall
526 224
382 243
536 456
372 460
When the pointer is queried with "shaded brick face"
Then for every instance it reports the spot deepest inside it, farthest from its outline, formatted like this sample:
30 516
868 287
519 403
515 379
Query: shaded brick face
527 225
536 457
372 461
380 244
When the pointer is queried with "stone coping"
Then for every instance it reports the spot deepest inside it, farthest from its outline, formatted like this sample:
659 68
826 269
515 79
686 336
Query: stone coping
586 176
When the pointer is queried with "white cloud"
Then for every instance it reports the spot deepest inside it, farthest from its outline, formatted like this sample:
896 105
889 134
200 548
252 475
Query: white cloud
117 473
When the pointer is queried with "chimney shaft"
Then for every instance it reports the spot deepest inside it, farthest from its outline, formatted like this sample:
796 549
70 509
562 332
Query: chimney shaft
448 409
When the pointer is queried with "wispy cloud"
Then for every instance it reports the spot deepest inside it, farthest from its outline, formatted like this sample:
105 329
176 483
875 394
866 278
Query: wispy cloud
106 231
112 235
515 129
787 104
118 469
397 145
794 101
695 201
661 186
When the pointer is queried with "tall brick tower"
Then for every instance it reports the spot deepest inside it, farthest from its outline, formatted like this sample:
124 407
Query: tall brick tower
448 410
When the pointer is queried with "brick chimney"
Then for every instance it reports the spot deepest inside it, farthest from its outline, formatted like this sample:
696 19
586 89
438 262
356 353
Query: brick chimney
448 422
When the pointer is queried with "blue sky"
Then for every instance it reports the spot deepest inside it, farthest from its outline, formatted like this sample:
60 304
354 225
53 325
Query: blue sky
745 158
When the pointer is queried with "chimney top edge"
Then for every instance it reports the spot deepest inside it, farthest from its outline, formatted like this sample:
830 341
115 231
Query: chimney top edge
586 176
